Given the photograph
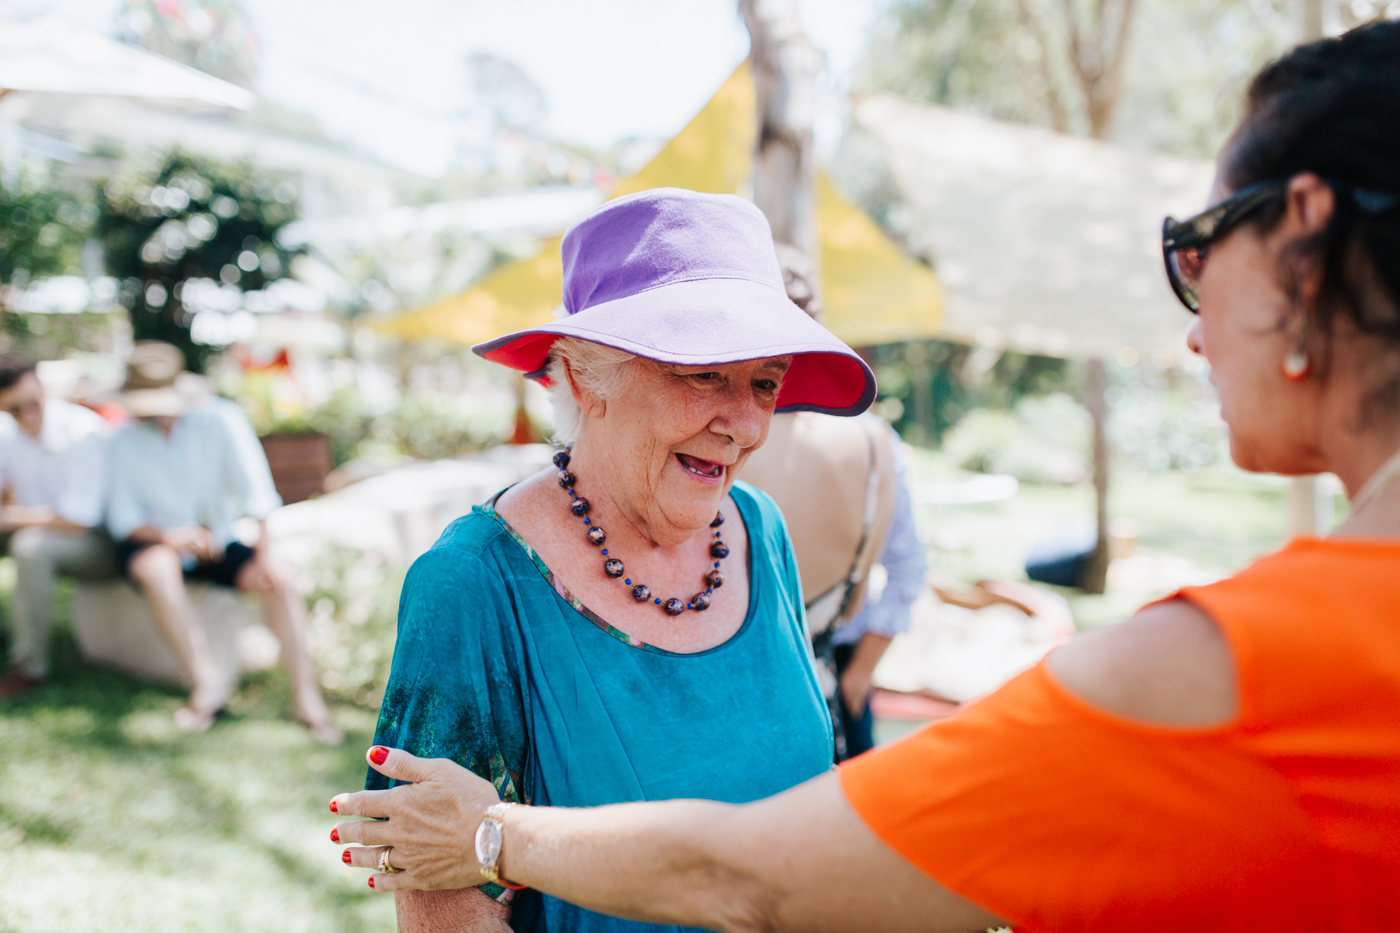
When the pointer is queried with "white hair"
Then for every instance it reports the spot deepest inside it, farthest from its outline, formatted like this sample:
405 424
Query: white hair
603 371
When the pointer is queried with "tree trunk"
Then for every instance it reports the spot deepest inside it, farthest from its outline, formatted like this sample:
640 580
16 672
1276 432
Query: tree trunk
785 67
1312 20
1096 399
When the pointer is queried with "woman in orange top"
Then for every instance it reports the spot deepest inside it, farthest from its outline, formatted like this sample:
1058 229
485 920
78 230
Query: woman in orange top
1229 759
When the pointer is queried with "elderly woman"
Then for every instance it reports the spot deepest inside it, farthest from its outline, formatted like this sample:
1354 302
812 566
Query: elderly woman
629 625
1227 760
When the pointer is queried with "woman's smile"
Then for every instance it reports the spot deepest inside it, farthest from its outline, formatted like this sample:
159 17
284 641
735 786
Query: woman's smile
706 469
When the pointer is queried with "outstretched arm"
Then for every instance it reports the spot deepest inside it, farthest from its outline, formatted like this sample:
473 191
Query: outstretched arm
802 860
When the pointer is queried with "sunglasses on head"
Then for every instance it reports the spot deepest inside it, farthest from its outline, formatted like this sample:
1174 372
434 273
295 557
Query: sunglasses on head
1186 243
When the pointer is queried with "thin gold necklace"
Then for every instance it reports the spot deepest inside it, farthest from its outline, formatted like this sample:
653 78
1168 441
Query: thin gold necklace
1378 481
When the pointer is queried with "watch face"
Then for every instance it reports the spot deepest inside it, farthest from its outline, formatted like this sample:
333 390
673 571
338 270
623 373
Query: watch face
488 843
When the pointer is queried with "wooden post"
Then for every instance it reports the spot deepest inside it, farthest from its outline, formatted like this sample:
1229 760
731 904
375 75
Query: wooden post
785 67
1096 400
1312 20
921 390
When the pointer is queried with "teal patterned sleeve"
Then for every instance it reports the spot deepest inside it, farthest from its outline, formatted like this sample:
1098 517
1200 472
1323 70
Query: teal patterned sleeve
454 689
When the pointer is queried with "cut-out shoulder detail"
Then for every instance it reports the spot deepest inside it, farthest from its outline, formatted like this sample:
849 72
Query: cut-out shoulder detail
1169 665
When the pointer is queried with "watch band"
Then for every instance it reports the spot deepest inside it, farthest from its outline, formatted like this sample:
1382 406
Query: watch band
489 841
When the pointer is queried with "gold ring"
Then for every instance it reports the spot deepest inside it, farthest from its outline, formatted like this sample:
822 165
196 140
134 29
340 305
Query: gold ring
384 865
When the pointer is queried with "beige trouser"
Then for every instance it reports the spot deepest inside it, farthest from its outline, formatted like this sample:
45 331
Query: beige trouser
41 554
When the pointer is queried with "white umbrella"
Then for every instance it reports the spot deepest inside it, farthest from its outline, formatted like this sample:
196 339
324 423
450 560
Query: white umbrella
1045 243
48 56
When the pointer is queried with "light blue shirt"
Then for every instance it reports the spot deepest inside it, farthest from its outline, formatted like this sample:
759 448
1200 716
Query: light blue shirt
210 471
906 564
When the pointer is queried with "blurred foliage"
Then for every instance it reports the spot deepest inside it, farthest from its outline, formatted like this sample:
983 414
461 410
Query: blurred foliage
54 336
424 424
1156 427
1041 440
354 599
214 36
1015 413
185 219
1185 68
41 233
434 425
942 381
272 410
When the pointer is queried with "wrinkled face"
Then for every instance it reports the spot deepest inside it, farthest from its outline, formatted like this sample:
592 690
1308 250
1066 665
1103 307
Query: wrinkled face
1247 325
24 401
673 442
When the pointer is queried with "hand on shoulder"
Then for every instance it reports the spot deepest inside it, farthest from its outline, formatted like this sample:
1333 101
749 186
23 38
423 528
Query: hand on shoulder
1169 665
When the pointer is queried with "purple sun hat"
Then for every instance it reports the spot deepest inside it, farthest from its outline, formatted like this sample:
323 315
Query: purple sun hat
691 279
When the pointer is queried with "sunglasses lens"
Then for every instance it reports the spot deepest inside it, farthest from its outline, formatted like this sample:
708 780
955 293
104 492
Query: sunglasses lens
1185 266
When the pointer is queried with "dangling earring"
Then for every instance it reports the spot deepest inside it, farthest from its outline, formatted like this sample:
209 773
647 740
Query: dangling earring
1296 365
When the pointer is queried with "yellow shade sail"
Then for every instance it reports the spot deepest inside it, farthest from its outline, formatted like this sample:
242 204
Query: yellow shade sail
714 152
873 292
516 296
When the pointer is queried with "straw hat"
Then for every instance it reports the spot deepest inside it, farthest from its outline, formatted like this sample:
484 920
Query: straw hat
157 385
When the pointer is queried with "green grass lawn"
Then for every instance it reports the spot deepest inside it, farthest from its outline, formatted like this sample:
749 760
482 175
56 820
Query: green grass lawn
110 820
1217 519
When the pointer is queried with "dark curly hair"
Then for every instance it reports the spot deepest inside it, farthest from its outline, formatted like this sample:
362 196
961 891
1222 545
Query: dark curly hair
1333 108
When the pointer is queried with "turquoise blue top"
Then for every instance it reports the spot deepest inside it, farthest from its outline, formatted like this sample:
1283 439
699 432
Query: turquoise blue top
501 669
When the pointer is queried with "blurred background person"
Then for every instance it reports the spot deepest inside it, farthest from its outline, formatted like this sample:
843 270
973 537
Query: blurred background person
53 472
865 527
182 472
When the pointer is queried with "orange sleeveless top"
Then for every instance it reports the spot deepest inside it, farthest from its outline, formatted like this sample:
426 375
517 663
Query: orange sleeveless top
1061 816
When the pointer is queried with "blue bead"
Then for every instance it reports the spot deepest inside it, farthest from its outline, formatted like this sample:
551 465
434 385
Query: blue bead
588 521
658 600
716 563
628 581
605 550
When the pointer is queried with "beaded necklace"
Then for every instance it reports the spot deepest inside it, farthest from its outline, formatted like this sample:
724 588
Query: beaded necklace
613 567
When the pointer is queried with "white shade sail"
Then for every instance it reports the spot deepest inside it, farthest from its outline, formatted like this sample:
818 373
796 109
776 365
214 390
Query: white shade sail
49 56
1045 243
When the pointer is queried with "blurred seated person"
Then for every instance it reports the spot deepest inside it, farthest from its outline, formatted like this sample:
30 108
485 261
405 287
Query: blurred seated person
182 472
52 469
863 534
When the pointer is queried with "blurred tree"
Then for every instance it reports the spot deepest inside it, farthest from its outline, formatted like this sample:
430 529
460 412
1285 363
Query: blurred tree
949 379
1084 67
212 35
40 234
189 236
507 91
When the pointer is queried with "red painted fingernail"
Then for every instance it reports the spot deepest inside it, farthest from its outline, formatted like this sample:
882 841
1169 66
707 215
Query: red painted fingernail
371 882
335 835
333 809
378 754
345 856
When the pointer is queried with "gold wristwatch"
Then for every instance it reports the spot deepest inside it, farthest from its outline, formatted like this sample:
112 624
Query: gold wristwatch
489 836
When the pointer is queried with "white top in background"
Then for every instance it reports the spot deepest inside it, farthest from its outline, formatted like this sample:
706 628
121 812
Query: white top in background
65 469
